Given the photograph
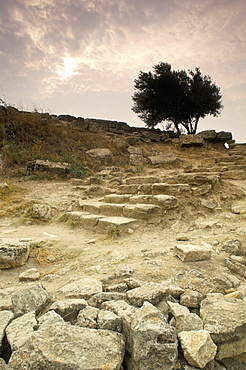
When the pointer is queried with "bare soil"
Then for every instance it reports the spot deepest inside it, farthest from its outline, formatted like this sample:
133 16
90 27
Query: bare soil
62 253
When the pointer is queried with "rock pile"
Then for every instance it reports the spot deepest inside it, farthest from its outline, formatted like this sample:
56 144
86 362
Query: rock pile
133 325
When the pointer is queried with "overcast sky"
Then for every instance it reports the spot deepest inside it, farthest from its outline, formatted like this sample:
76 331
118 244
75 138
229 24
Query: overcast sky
81 56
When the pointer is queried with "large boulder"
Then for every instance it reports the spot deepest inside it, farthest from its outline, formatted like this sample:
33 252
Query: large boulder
102 155
225 319
13 253
63 346
198 347
154 342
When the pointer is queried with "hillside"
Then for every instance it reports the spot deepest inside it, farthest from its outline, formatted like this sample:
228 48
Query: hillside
122 203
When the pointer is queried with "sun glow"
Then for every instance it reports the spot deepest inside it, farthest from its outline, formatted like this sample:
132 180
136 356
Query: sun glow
69 66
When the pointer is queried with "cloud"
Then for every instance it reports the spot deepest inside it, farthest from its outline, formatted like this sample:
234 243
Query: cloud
108 42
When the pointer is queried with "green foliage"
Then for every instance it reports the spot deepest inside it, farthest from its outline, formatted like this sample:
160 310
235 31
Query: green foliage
177 97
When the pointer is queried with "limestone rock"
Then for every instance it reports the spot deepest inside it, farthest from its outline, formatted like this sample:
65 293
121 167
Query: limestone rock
104 156
44 211
163 159
5 318
109 320
150 292
29 275
154 343
33 298
68 309
225 319
198 347
13 254
192 253
177 309
126 313
87 317
191 298
63 346
233 246
223 136
3 365
57 168
188 322
165 201
191 140
83 288
209 135
20 330
97 299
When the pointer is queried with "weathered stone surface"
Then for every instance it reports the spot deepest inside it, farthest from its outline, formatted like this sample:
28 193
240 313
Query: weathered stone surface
177 309
44 211
13 254
87 317
62 346
233 246
192 253
33 298
119 224
57 168
29 275
154 343
49 318
191 298
165 201
191 140
225 319
233 364
20 330
5 318
97 299
188 322
198 347
83 288
109 320
223 136
150 292
68 309
3 365
141 211
170 189
116 198
209 135
234 175
163 159
104 156
125 312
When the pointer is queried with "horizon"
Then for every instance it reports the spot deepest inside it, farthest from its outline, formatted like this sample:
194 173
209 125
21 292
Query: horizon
80 57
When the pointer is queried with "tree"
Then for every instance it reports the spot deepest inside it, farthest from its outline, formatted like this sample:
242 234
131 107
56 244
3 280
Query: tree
175 96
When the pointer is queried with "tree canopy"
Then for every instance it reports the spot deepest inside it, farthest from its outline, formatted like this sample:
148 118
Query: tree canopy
177 97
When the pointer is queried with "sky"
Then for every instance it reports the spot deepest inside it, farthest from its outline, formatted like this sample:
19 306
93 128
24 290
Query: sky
81 57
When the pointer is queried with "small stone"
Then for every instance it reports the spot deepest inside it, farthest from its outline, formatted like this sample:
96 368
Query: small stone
29 275
192 253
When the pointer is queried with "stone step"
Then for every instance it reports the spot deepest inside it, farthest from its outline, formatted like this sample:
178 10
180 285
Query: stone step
138 211
100 223
162 200
154 189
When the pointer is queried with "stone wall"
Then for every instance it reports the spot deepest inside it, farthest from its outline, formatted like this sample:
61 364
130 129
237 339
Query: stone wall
94 124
